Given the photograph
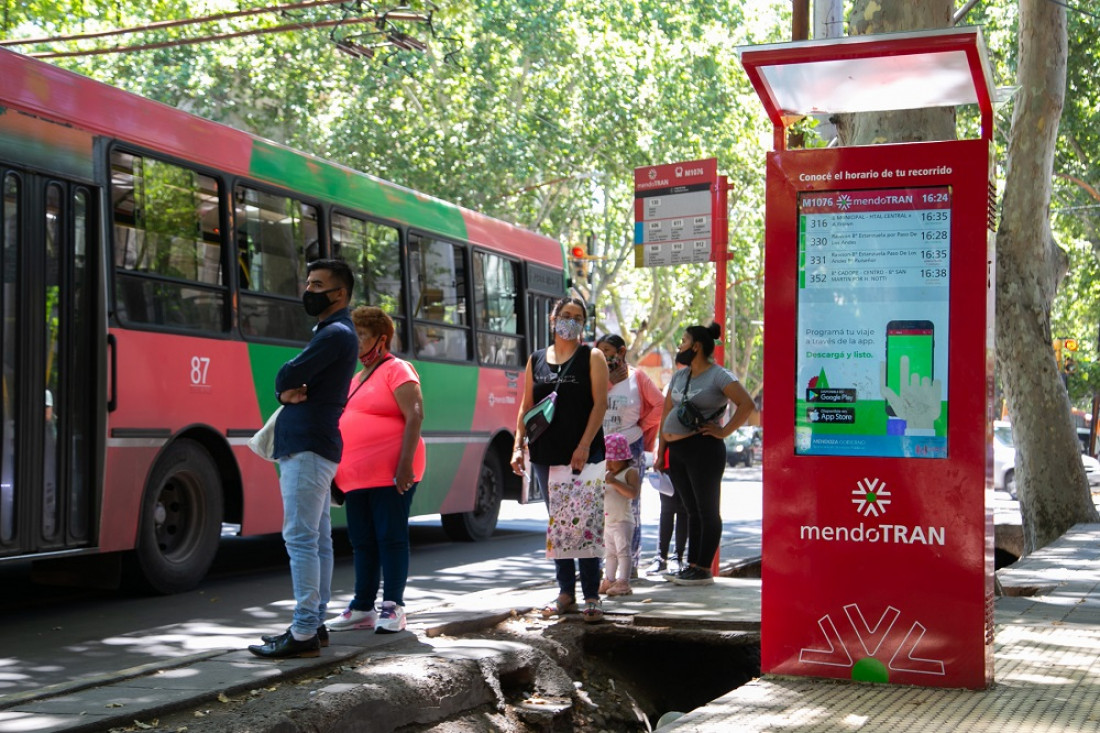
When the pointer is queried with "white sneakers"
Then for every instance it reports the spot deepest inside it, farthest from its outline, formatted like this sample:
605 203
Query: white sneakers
389 620
353 620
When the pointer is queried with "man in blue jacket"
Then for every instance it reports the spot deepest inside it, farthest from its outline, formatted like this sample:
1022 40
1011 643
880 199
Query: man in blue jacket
313 387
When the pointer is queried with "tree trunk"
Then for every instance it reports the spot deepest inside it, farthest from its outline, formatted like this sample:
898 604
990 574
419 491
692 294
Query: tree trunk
1053 490
902 126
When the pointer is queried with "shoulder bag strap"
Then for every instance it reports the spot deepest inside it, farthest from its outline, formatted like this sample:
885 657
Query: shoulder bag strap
686 386
564 367
364 379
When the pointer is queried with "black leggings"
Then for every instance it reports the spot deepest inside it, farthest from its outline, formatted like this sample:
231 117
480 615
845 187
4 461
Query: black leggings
695 466
672 512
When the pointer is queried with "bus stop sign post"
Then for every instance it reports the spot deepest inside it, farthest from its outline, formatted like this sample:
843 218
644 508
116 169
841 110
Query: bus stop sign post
680 217
879 283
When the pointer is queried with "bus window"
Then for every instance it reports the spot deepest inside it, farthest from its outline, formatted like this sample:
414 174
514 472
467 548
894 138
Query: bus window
276 237
437 276
167 248
55 317
9 292
374 253
497 310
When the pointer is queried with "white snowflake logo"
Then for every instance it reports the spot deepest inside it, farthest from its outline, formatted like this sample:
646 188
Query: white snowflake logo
844 202
870 497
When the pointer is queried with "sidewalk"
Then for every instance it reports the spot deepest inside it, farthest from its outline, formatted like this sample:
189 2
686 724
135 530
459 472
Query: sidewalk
1047 668
145 693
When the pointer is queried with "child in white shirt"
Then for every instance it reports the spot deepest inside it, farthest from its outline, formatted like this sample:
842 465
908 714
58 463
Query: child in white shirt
621 484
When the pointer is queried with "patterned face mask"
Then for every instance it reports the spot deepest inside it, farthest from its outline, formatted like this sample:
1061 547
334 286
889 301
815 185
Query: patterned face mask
568 329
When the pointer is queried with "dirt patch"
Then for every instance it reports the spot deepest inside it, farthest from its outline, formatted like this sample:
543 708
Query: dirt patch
525 674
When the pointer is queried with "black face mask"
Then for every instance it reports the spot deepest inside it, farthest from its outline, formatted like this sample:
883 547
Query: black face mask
686 356
316 302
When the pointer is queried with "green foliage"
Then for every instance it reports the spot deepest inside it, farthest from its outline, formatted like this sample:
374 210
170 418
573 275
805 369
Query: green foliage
533 111
1075 204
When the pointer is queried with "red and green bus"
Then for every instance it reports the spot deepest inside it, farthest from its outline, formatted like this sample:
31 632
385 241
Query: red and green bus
152 270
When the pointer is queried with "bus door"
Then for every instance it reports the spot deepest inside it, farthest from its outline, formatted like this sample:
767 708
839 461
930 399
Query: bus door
48 257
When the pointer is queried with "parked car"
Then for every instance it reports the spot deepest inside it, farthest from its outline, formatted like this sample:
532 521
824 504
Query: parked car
739 447
1083 435
1004 461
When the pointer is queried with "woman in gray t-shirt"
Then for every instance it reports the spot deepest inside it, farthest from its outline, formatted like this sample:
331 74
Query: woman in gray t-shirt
692 430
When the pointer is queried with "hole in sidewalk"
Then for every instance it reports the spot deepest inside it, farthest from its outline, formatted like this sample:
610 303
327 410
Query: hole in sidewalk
667 670
516 682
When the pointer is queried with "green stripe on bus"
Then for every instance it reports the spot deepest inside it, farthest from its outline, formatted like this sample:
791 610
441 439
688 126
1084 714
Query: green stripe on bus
354 190
439 472
266 361
452 387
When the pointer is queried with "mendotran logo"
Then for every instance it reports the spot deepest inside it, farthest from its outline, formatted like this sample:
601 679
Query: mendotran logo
871 498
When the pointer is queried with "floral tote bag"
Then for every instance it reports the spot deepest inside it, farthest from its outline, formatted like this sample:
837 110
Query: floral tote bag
575 529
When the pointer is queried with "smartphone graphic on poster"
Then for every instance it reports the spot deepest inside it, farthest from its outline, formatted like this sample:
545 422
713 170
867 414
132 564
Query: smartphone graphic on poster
914 339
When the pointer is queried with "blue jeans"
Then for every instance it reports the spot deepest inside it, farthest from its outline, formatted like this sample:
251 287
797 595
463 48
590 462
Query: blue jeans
378 527
304 479
637 450
566 570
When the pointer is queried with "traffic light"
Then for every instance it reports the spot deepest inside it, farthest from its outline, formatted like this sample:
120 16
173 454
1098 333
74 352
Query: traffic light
578 260
1069 364
1066 363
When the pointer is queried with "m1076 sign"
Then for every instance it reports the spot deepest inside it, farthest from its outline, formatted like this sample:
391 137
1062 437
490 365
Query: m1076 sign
873 276
673 213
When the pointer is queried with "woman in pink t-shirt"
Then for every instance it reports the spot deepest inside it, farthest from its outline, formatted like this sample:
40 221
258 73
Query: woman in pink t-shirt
382 463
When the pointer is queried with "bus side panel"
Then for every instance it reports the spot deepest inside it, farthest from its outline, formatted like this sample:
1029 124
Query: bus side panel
263 502
454 487
453 454
166 383
127 468
496 402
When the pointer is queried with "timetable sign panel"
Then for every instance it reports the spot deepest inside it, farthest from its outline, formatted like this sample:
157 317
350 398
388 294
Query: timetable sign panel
673 213
873 291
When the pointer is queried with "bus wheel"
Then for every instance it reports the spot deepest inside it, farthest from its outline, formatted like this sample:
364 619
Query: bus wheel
181 519
480 524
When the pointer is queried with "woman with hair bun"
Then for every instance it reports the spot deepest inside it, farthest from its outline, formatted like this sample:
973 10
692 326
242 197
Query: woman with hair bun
692 431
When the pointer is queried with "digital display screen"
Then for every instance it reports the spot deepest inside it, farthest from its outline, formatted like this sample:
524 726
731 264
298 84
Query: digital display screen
873 305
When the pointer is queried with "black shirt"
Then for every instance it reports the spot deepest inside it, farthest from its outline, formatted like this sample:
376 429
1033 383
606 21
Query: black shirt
571 410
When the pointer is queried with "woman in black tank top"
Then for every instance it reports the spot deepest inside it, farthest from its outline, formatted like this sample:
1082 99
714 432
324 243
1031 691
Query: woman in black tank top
574 437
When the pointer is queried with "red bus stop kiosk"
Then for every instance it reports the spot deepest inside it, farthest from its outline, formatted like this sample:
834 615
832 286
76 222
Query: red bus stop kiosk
878 543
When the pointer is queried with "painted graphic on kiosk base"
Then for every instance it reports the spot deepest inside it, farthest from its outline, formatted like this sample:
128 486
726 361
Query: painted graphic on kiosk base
888 646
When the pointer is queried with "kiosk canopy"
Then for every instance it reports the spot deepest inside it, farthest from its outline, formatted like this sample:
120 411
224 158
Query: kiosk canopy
872 74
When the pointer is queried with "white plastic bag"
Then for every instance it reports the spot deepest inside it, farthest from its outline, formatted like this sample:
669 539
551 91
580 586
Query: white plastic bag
661 482
263 442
